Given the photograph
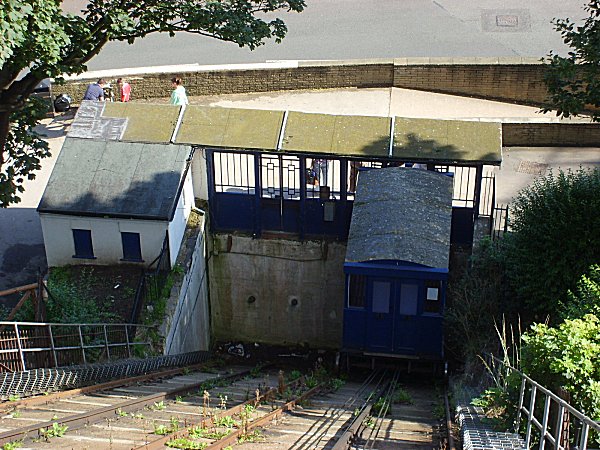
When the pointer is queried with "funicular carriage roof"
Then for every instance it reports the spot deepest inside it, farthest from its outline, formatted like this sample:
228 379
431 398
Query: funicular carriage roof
401 214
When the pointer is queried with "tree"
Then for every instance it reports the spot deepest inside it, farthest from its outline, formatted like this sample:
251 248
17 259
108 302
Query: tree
555 238
38 38
573 81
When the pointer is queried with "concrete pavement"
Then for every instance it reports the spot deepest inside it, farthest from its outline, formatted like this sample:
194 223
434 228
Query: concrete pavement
21 242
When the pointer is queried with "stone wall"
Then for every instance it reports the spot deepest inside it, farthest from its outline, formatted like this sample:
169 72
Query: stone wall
509 79
277 291
532 134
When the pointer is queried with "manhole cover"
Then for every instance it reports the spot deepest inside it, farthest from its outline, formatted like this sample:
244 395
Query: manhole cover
507 20
532 168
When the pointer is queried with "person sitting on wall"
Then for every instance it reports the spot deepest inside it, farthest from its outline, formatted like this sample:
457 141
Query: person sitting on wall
95 91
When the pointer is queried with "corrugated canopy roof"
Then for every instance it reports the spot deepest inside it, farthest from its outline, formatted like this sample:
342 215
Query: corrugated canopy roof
108 178
230 127
339 135
146 123
447 140
413 226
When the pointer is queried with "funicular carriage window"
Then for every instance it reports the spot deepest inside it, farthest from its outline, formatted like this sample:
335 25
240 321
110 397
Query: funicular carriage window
280 174
465 179
433 292
356 291
234 172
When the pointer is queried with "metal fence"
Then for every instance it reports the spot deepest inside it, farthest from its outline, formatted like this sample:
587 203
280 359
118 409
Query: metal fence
151 282
543 417
39 381
32 345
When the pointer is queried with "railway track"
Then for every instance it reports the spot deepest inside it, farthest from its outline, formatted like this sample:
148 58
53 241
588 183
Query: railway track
197 409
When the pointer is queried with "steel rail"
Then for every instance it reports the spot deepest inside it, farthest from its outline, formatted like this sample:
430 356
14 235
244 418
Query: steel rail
232 438
345 440
184 432
387 403
44 399
83 419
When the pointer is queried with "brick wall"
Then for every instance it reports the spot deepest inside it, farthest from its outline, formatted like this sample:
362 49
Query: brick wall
550 134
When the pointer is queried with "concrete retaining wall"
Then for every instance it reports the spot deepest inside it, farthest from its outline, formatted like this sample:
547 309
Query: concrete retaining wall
277 291
187 321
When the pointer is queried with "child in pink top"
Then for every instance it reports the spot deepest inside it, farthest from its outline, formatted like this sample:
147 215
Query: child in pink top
125 89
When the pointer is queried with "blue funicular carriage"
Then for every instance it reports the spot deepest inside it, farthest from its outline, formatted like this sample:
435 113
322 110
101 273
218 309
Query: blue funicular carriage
396 265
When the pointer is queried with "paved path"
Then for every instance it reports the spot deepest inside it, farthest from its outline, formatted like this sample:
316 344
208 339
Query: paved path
356 29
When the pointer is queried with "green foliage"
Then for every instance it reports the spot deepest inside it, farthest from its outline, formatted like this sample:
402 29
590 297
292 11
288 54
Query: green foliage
12 445
574 81
586 298
55 430
71 299
555 238
475 302
24 149
566 356
158 406
402 396
381 406
225 422
186 444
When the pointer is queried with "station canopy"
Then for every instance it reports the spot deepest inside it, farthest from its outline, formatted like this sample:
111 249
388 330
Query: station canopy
358 137
412 227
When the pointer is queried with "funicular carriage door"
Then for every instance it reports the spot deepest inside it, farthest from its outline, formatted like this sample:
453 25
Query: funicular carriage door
380 335
406 328
280 192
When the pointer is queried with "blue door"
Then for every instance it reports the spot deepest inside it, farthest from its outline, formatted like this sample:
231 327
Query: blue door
406 329
380 328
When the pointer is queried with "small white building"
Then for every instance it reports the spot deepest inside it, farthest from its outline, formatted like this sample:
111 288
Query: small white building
111 202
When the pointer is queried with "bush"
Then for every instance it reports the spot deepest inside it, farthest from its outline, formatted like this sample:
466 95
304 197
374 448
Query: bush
555 237
586 298
566 357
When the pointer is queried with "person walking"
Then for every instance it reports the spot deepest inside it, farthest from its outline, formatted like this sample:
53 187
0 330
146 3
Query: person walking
178 96
124 89
95 91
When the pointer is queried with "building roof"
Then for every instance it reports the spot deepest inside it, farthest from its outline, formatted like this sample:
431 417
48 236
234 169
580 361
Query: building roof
360 137
230 127
412 227
115 179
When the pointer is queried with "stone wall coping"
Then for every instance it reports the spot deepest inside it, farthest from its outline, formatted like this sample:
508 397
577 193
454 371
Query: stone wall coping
293 64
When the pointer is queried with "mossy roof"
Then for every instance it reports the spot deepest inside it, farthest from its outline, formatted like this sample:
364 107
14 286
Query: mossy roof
358 136
145 122
230 127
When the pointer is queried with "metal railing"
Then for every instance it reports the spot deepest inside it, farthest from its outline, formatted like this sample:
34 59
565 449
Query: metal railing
32 345
549 419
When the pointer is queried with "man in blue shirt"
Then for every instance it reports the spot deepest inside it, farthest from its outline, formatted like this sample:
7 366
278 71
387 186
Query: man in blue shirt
95 91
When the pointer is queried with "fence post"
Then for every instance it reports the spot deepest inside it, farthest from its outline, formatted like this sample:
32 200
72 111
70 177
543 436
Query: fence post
20 347
52 345
81 342
521 400
106 342
127 340
530 415
545 423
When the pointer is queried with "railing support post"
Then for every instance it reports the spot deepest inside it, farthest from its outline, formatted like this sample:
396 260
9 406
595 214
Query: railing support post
81 342
52 345
20 347
127 340
106 343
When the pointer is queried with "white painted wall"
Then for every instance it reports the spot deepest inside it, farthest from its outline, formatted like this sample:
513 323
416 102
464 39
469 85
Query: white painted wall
199 174
106 238
177 225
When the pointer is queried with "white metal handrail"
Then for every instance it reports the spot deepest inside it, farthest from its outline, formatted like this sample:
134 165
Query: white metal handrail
564 411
